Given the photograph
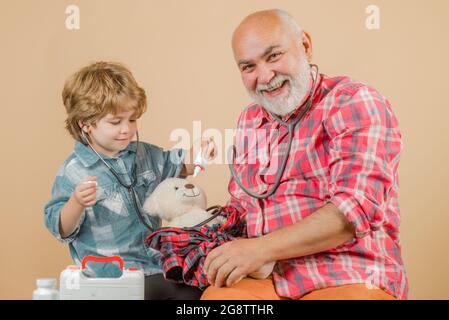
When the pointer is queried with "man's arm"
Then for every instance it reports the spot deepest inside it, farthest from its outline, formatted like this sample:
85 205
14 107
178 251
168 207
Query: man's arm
325 229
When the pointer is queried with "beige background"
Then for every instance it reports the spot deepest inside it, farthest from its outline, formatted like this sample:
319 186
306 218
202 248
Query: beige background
180 53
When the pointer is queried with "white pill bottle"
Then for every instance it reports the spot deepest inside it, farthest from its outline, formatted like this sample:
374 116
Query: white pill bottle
46 289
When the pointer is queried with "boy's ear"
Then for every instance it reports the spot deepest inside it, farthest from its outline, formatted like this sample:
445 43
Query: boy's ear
83 126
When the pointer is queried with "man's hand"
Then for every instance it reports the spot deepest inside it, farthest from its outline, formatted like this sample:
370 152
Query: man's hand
232 261
325 229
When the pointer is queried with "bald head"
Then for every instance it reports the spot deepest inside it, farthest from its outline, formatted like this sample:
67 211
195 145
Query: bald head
262 22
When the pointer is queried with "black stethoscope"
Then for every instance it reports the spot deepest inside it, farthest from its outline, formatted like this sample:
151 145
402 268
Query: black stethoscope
130 186
291 126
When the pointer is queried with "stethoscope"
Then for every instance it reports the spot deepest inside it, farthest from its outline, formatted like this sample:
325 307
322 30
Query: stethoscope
291 126
214 211
130 186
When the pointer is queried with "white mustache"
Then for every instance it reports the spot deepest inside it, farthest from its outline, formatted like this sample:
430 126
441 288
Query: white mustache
273 84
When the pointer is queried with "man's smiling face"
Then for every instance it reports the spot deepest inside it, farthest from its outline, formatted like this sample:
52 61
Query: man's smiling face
272 63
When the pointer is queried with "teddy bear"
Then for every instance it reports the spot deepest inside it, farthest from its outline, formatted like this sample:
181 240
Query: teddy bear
181 204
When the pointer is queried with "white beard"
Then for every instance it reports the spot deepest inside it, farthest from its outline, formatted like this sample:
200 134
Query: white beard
298 91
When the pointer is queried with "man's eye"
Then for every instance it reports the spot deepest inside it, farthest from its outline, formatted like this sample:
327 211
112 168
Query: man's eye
274 55
248 67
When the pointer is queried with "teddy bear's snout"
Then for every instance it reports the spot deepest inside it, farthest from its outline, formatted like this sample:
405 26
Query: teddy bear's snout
191 191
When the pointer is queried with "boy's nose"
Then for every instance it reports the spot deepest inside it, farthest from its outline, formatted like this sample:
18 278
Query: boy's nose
124 129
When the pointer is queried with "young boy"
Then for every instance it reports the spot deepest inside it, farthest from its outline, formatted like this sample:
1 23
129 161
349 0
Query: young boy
91 207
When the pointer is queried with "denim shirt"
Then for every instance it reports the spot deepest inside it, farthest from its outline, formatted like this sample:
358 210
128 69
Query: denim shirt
112 226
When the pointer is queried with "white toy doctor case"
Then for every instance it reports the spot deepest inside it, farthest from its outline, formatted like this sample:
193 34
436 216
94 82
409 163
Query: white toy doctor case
74 285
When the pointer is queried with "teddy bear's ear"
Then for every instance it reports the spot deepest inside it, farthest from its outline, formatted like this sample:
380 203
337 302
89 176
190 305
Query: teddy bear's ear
151 205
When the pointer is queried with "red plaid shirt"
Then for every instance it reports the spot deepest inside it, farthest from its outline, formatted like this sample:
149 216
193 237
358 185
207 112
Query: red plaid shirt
345 151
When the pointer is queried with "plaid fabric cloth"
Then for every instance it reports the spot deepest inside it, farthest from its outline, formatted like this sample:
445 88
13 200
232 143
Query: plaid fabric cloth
183 250
345 151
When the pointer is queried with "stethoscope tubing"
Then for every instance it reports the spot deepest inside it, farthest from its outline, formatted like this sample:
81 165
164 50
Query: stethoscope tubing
280 173
129 187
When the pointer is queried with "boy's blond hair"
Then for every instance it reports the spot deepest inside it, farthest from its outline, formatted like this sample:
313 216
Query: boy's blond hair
99 89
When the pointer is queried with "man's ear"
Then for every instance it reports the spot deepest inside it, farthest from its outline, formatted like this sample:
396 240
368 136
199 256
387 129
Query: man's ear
307 45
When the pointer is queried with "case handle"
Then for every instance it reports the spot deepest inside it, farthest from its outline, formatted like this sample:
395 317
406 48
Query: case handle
102 259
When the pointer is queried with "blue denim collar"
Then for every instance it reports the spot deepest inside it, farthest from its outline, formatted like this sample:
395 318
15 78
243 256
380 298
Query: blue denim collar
89 158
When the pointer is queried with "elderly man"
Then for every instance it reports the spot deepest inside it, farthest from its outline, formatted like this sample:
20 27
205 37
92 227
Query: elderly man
332 225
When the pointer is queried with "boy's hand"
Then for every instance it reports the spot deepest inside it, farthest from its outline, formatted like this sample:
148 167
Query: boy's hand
86 192
208 149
